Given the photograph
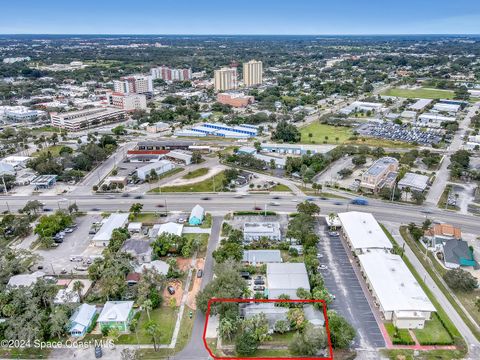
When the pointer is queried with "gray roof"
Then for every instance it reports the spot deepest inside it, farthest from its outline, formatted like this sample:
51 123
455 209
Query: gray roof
116 311
313 315
455 250
272 313
414 181
113 222
287 276
137 247
262 256
197 212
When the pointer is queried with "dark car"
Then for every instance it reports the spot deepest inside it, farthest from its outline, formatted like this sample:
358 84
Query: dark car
98 352
95 209
160 205
125 195
199 273
47 209
58 240
259 282
257 208
259 288
277 197
171 290
245 275
205 198
139 197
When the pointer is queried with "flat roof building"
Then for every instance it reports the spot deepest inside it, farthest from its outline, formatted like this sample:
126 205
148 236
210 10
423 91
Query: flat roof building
433 120
286 278
420 104
84 119
114 221
160 167
399 296
254 231
363 232
256 257
225 79
252 73
415 182
381 173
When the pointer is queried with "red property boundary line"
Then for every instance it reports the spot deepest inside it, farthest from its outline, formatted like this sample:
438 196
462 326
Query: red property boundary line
330 349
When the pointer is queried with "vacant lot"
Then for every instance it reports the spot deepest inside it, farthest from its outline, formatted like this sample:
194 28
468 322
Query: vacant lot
424 93
195 173
323 132
215 183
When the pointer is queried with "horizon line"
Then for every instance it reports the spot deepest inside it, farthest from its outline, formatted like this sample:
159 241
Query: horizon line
238 34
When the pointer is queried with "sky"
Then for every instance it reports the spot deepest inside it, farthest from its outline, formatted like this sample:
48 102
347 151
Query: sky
316 17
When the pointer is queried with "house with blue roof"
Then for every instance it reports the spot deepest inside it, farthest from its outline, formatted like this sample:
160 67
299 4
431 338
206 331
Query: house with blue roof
197 215
81 320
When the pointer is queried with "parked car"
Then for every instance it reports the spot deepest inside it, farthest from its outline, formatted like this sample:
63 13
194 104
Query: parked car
323 267
98 352
333 233
259 288
171 290
76 258
259 282
199 273
181 220
58 240
69 230
245 275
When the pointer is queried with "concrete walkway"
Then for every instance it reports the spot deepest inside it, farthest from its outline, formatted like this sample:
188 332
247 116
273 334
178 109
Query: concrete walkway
195 230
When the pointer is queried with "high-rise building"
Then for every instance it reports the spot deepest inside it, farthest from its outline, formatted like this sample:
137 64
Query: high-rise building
137 84
252 73
225 79
168 74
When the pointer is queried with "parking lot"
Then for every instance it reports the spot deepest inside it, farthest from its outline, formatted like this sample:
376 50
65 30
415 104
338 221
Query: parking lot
77 243
350 300
391 131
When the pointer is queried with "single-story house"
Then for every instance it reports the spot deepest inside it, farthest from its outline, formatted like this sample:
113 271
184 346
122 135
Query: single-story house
456 253
116 314
255 230
140 249
168 228
81 320
197 215
158 265
272 313
114 221
25 280
134 227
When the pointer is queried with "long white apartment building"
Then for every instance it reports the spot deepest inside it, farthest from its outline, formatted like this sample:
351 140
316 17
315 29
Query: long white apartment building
127 102
225 79
84 119
252 73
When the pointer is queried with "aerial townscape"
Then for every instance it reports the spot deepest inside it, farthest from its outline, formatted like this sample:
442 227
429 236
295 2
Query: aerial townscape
229 195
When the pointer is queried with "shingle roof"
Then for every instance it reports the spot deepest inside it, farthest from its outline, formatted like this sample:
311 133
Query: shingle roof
83 314
117 311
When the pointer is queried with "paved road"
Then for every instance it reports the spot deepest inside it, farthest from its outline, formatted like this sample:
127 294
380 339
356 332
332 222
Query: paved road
195 349
442 174
350 301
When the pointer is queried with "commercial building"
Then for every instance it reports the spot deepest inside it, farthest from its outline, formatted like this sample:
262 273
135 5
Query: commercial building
127 102
252 73
272 313
6 169
18 162
438 234
235 99
159 147
448 108
169 74
279 162
223 130
399 296
158 127
358 106
255 230
433 120
420 104
116 314
114 221
295 149
383 172
182 156
44 181
84 119
286 278
138 84
225 79
258 257
414 182
19 113
362 232
159 167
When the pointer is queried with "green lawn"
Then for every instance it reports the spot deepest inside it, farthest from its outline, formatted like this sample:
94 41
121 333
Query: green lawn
54 150
280 187
433 333
170 173
286 257
320 131
146 218
402 336
397 354
215 183
203 239
195 173
328 134
273 353
164 316
424 93
207 221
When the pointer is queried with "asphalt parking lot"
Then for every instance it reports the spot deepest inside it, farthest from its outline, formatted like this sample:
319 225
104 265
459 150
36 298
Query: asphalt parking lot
391 131
350 301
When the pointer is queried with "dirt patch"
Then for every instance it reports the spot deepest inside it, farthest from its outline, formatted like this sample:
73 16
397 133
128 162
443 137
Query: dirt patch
178 286
184 263
195 288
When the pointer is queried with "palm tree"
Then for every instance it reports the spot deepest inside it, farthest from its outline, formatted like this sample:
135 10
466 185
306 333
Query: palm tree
78 287
147 305
153 329
226 328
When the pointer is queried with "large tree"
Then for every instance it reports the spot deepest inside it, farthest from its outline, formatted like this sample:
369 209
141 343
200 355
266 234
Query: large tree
461 280
341 332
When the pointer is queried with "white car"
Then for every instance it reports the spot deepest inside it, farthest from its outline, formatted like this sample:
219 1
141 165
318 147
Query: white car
323 267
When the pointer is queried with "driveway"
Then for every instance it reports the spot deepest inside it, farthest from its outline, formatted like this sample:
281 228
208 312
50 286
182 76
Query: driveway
341 281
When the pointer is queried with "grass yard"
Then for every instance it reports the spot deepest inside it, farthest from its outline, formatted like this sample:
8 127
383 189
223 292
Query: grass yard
164 316
170 173
320 131
207 221
203 238
442 203
182 340
54 150
286 257
433 333
425 93
401 337
423 355
280 187
215 183
195 173
283 339
146 218
273 353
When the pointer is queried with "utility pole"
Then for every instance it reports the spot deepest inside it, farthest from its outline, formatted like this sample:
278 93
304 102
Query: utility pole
4 185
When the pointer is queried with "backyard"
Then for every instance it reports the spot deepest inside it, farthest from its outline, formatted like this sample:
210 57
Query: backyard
433 333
